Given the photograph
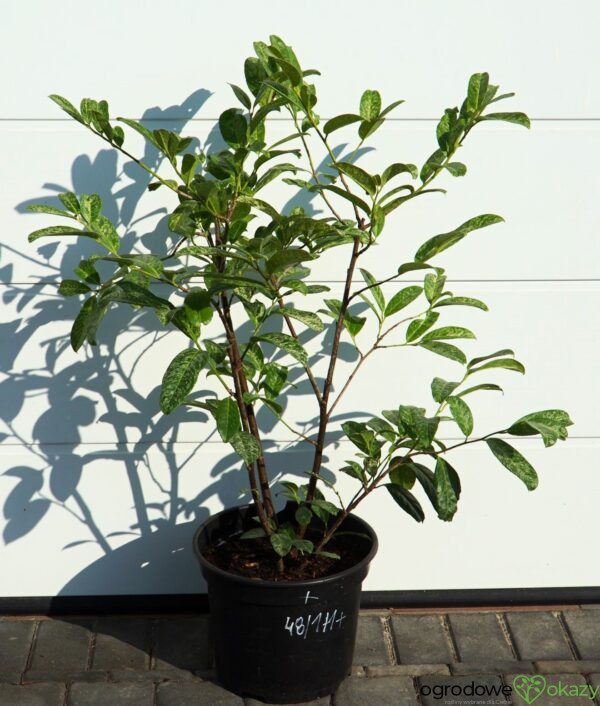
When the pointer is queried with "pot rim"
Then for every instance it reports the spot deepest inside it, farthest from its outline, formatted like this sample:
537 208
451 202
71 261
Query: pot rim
307 583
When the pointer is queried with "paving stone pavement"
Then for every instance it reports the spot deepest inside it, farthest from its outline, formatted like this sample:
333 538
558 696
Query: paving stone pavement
514 655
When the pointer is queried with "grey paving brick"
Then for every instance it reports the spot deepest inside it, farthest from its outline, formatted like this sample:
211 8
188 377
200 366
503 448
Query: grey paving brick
495 667
36 676
122 643
479 638
195 694
582 666
486 688
555 698
128 694
158 675
61 647
182 643
538 635
370 645
32 695
584 627
325 701
595 682
383 691
420 639
15 643
412 670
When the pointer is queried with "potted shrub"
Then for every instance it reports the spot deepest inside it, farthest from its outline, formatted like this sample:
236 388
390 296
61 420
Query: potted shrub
284 584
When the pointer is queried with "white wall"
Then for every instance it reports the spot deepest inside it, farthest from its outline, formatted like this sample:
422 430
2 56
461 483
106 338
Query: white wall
100 492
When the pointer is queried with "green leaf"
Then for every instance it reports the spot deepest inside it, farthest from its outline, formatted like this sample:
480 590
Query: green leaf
418 327
148 264
402 474
358 175
180 378
83 321
308 318
284 259
434 286
516 463
445 349
254 533
374 288
355 470
517 118
246 446
198 301
325 506
462 414
461 301
254 74
427 480
242 96
329 555
390 107
506 363
303 515
356 200
377 219
361 436
227 417
426 427
135 294
368 127
70 287
90 206
281 543
45 208
106 234
304 546
55 230
478 84
370 105
87 271
441 242
503 352
68 107
69 200
442 389
398 168
340 121
446 480
274 380
457 169
286 93
446 332
407 501
143 131
412 266
432 165
551 424
484 386
233 127
286 343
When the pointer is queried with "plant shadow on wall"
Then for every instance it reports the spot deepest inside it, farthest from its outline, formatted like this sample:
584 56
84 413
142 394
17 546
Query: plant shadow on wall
154 551
221 268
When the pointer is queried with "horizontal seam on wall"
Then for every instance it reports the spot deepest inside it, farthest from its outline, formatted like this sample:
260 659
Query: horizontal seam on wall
283 120
222 443
339 281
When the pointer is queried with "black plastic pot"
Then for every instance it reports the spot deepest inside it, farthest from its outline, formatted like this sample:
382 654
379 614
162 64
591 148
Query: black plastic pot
282 642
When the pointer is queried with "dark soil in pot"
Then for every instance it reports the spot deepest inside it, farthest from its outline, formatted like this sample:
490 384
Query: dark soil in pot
283 641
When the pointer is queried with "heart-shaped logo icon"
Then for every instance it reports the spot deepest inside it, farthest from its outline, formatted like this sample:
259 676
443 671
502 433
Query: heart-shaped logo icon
529 688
